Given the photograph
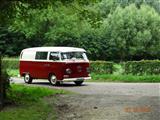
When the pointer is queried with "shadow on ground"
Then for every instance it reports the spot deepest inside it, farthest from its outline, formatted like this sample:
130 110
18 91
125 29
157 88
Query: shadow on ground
61 85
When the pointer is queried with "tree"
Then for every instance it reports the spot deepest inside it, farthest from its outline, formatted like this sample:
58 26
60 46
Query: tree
132 32
108 29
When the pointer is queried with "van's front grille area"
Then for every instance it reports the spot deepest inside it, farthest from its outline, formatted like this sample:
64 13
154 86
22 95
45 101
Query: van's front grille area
78 69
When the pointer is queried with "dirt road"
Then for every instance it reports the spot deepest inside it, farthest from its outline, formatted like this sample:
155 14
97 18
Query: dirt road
107 101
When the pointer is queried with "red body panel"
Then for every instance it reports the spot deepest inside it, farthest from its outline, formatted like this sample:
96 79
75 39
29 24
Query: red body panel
41 70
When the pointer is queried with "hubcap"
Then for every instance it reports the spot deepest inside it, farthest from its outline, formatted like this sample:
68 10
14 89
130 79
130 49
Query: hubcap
27 78
53 79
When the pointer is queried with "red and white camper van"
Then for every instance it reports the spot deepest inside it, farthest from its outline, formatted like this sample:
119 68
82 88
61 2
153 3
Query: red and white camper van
57 64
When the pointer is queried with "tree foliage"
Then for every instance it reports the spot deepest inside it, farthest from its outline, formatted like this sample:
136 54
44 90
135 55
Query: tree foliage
133 33
107 29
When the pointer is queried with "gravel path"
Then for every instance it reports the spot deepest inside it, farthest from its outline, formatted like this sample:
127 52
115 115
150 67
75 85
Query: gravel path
107 101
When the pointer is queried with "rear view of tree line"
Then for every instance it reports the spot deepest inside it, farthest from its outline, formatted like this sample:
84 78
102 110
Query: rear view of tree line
107 29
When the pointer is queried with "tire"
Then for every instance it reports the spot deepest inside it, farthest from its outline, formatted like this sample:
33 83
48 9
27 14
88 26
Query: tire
53 80
27 78
78 83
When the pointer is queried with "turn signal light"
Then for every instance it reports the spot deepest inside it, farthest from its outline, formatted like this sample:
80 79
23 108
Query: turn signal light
88 70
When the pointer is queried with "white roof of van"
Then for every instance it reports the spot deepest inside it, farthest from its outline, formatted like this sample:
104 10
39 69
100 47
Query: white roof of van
58 49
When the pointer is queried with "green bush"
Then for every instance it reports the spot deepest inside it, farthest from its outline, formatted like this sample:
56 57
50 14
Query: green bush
101 67
10 63
96 66
144 67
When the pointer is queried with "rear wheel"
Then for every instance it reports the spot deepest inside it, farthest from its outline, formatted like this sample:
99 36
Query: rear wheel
78 82
27 78
53 80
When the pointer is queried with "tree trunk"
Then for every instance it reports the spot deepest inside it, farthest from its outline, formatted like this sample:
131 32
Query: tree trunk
1 86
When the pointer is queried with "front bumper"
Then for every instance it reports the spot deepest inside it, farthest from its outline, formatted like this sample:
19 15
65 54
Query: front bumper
76 79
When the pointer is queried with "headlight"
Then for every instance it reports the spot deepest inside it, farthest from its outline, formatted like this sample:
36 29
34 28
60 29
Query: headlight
68 71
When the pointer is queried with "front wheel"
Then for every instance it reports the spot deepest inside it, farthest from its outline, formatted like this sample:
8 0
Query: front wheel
53 80
27 79
78 82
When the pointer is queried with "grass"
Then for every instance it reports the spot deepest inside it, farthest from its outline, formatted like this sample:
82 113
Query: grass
124 78
29 103
117 76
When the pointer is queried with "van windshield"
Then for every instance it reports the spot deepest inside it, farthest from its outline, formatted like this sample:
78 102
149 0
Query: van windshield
80 56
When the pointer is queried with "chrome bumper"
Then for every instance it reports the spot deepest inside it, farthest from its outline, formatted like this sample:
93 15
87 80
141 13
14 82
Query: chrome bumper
76 79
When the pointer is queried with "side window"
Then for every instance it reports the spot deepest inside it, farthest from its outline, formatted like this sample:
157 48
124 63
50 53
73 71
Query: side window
41 55
54 56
